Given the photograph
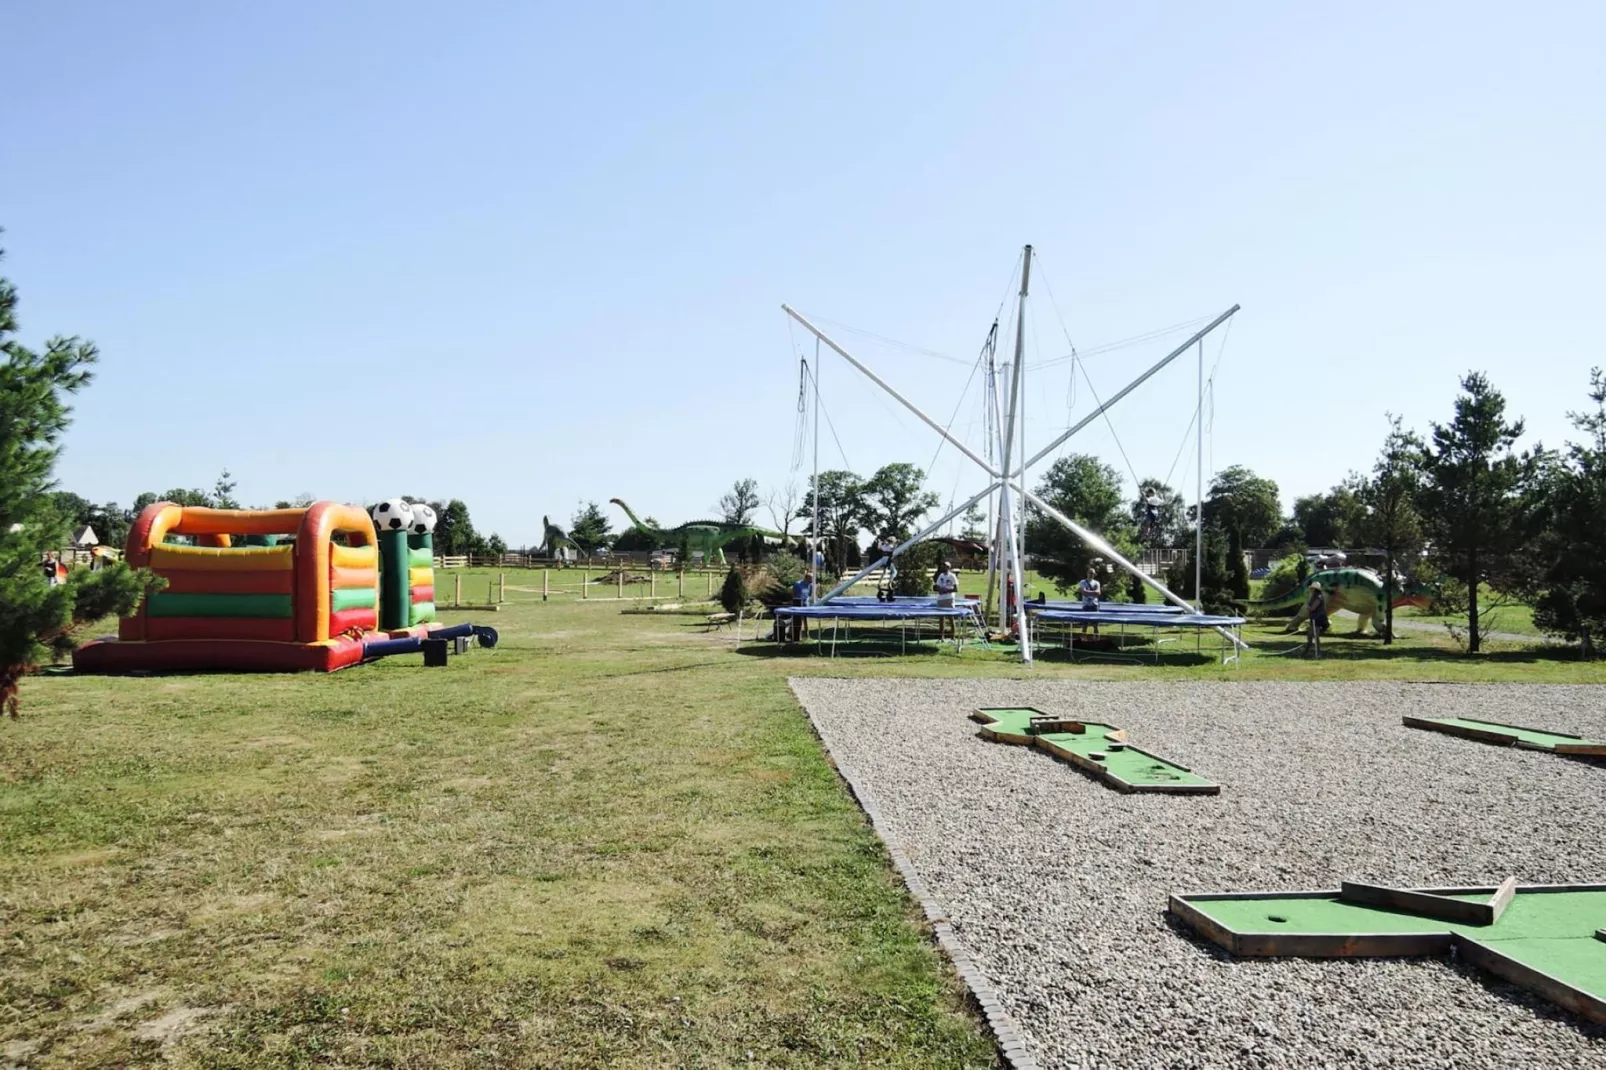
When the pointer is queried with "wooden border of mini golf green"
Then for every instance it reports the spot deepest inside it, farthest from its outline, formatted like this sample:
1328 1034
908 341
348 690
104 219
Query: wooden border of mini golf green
1501 735
1390 945
1088 765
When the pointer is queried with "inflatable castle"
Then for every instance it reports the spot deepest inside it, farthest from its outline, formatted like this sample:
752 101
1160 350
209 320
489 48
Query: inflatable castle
278 590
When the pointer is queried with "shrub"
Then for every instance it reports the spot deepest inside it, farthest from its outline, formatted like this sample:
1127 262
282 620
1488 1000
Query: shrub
917 567
733 592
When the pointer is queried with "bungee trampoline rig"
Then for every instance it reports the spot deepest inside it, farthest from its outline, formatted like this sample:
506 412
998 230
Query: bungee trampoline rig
1007 494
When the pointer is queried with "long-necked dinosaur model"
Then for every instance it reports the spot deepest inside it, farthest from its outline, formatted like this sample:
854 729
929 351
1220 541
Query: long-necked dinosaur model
554 538
708 536
1359 590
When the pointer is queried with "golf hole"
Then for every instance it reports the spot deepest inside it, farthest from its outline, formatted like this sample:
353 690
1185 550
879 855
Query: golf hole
1276 917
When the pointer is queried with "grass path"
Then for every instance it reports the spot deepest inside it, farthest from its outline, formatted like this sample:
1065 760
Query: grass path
612 841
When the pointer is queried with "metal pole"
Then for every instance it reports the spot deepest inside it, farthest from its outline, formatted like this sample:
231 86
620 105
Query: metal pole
814 525
1133 385
929 530
1198 488
882 383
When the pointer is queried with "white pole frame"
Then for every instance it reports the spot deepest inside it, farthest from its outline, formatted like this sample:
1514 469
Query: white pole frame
1000 482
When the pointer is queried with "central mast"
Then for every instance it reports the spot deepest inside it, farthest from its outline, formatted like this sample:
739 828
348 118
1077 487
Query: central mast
1009 611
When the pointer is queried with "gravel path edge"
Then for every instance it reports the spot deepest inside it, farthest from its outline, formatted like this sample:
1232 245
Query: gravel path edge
1007 1037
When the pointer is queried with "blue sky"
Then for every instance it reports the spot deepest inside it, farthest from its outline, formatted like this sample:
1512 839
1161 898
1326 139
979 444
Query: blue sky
525 254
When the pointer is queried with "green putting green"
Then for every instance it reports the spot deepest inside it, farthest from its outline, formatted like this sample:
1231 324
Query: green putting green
1509 735
1546 940
1114 761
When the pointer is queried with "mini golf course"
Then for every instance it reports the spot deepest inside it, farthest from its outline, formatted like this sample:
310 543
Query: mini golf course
1506 735
1549 939
1099 749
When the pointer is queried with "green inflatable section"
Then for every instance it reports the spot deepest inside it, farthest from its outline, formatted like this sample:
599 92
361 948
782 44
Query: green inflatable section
220 605
421 551
350 598
394 594
423 613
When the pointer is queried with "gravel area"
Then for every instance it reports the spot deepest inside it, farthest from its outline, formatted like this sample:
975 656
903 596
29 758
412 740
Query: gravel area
1057 885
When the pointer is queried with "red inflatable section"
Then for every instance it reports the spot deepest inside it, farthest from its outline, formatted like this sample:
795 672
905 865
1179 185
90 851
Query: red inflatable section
234 655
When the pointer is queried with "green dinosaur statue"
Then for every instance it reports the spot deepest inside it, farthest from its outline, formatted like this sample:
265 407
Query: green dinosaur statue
1359 590
709 536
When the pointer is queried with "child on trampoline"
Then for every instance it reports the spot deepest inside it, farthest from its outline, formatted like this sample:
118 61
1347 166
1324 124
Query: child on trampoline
947 586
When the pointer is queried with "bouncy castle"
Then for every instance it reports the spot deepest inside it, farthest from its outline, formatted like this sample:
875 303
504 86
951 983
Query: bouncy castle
275 589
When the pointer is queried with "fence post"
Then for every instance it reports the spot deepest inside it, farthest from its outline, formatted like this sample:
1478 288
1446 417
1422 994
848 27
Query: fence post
619 580
680 583
501 587
457 590
709 576
652 579
546 572
585 576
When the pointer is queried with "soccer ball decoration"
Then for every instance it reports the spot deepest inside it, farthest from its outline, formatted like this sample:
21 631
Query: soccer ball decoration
423 519
392 514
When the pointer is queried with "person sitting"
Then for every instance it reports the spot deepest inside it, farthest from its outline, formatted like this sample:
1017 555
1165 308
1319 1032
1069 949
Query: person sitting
802 595
946 584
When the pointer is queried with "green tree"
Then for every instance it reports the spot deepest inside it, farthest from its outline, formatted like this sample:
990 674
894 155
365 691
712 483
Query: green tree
1215 577
454 531
1089 492
1391 522
223 492
495 545
1237 566
733 592
1472 498
737 505
1572 600
917 568
36 616
1334 518
590 528
1242 501
894 502
841 499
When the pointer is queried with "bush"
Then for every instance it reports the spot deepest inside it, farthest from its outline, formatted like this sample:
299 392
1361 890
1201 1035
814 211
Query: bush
771 582
1137 591
733 592
1283 578
917 567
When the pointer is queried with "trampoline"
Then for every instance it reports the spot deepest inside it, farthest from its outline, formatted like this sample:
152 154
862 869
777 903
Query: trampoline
903 613
1154 618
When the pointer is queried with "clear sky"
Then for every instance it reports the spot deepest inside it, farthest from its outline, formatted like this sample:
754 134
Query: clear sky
525 254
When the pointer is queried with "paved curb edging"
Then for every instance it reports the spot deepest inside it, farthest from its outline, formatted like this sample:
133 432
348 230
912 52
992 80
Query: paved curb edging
1011 1047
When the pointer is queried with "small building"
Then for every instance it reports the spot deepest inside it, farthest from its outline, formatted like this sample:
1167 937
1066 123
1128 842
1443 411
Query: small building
85 538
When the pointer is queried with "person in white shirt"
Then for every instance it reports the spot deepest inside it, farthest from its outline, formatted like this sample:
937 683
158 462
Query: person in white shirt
947 585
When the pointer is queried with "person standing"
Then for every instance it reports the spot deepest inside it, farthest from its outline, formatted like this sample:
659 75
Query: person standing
1315 620
802 595
947 587
1088 592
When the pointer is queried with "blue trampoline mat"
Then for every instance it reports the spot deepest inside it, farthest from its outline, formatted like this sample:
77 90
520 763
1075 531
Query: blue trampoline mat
1156 619
873 611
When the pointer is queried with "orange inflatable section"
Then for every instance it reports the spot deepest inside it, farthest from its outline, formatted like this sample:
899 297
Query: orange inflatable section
246 607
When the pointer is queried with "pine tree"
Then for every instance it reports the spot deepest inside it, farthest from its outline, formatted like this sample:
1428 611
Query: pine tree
1472 497
35 615
1391 523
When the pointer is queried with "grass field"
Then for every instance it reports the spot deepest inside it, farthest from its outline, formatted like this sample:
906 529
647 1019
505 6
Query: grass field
611 841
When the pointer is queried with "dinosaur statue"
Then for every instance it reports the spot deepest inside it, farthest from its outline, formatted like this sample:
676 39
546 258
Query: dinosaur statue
1359 590
709 536
553 538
